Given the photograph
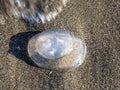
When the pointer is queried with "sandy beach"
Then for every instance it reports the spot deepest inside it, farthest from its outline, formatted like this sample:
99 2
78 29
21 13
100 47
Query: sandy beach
97 22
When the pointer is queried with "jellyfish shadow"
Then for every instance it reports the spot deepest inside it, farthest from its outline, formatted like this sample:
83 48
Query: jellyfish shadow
18 46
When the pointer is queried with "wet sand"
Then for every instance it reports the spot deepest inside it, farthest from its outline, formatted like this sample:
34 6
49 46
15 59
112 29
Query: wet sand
96 21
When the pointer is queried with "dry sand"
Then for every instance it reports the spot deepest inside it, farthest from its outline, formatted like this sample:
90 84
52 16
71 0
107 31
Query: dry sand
96 21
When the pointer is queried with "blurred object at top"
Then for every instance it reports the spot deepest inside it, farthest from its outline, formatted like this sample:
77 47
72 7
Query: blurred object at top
34 10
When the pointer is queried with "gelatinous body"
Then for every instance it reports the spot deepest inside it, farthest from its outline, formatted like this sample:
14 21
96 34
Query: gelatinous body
57 49
35 10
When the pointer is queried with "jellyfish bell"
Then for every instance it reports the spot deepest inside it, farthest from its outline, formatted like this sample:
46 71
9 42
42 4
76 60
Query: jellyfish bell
57 50
53 45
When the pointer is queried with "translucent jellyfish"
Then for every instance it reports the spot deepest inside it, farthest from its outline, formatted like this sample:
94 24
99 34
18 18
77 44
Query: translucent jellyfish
57 50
